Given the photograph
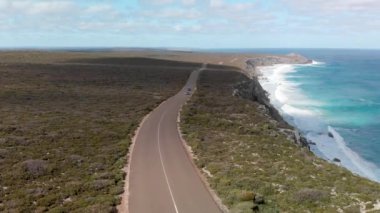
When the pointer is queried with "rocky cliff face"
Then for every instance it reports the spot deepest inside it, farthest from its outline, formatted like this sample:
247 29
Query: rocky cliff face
252 89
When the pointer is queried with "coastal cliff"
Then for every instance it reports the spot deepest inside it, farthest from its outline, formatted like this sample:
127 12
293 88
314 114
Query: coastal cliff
252 165
252 89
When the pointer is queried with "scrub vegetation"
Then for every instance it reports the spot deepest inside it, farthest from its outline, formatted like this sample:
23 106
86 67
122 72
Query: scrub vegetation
253 166
66 126
67 119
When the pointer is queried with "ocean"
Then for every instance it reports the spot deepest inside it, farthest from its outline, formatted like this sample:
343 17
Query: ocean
334 102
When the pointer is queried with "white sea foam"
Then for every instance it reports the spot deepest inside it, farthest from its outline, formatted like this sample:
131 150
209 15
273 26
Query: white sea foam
307 119
317 63
303 113
363 166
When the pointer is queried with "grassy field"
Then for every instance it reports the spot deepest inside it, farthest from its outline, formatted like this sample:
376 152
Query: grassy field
252 166
66 125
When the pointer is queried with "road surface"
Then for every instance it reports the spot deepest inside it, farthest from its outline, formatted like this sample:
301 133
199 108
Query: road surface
162 176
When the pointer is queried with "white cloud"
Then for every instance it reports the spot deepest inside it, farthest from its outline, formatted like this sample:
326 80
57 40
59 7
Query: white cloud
173 13
334 6
99 8
29 7
196 17
189 2
156 2
102 12
216 4
44 8
334 17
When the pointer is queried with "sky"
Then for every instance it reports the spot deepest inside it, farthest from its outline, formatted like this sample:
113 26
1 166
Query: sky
190 23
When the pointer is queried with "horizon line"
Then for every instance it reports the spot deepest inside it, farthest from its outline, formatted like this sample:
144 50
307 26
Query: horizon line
178 48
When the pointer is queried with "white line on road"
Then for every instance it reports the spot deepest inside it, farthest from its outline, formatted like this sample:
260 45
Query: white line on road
162 163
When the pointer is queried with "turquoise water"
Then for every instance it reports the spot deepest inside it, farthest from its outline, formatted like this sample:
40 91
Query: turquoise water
348 86
340 95
342 92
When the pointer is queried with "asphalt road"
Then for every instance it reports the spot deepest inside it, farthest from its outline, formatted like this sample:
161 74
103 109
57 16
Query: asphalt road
162 176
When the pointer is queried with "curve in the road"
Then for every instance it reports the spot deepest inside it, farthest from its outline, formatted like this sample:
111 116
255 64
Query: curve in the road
162 177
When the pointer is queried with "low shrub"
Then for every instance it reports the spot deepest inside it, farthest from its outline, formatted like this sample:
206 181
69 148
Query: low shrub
34 168
310 195
65 128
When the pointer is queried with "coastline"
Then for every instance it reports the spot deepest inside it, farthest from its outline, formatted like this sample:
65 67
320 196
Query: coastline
237 142
327 144
246 154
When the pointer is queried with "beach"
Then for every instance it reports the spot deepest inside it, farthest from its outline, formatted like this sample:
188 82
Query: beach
304 113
